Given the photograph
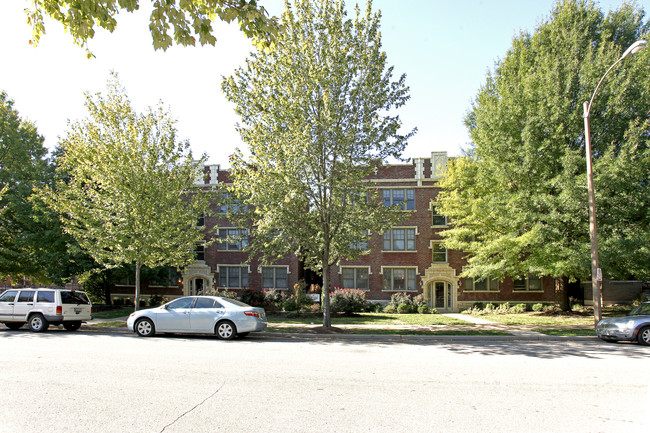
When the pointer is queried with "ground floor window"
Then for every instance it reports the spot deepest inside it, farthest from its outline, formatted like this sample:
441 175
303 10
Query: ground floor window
480 285
529 284
233 276
274 277
399 278
355 278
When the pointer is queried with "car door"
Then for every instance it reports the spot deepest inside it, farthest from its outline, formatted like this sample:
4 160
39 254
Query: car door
204 314
24 304
7 305
175 316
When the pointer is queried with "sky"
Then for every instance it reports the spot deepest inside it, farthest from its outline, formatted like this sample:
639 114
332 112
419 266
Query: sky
444 47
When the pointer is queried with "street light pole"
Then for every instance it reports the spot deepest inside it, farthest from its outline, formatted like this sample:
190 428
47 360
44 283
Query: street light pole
596 273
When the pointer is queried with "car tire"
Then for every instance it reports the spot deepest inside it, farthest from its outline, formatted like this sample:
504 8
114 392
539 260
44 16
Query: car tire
14 325
144 327
72 326
38 323
225 330
643 337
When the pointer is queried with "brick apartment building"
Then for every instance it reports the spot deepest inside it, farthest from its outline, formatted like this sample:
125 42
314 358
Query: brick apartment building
408 258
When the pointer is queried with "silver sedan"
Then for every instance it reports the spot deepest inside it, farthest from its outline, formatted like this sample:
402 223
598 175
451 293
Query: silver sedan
227 318
634 326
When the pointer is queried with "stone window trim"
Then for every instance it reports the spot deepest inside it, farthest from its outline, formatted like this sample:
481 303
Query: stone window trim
222 271
432 209
433 252
408 200
405 250
368 268
388 267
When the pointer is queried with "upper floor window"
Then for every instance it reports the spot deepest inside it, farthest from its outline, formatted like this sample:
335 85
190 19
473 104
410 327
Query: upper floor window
529 284
355 278
399 239
227 204
438 219
404 197
199 252
233 239
201 221
439 252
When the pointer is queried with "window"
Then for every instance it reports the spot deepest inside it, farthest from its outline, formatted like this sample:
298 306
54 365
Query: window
201 221
233 239
42 296
437 219
481 285
361 244
405 198
180 303
74 298
26 296
199 252
530 284
274 277
228 205
439 252
402 239
399 278
205 303
233 276
8 296
355 278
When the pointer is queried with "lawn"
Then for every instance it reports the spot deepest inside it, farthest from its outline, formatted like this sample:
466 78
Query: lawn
541 319
367 319
387 331
112 314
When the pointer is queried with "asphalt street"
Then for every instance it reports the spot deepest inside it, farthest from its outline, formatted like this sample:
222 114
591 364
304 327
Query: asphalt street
107 381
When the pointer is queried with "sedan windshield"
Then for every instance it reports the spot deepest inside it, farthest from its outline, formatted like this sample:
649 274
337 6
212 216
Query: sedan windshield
641 310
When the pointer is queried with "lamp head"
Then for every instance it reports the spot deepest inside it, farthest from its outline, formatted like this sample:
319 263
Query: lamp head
634 48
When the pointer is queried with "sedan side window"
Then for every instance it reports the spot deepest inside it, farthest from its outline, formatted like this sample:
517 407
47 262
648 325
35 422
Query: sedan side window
180 303
8 296
204 303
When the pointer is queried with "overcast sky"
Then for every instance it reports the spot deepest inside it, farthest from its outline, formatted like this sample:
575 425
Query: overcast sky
444 48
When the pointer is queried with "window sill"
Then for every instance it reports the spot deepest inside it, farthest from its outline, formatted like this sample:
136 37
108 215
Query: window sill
399 251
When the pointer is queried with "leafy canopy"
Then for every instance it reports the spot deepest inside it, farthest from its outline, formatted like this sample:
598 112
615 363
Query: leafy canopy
519 199
127 191
317 116
183 21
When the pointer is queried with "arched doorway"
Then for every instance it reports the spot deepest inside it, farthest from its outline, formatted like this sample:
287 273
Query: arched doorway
197 286
441 296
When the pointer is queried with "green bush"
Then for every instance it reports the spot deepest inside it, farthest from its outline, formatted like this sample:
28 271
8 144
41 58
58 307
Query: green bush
117 301
155 300
128 302
538 308
390 309
423 309
405 308
518 309
348 301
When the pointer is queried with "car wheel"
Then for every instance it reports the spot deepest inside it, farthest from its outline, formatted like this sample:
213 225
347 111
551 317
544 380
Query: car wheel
14 325
72 326
226 330
38 323
145 328
643 337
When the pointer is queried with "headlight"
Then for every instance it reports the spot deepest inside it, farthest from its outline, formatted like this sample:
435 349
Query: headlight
629 324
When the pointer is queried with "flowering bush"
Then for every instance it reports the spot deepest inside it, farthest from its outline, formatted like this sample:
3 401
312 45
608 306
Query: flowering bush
348 301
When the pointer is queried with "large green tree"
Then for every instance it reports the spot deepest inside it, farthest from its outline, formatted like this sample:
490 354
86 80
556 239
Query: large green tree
126 192
317 117
183 22
519 199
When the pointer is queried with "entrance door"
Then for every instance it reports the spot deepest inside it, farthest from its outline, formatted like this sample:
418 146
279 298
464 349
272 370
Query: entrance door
441 296
196 287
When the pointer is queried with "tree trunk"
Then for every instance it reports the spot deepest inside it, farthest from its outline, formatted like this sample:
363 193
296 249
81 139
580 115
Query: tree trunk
327 321
137 285
561 293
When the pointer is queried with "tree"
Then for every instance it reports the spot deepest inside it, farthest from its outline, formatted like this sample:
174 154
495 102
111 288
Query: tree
191 20
315 114
127 191
519 199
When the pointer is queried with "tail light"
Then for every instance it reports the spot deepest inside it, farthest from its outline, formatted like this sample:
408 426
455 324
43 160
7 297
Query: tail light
252 313
59 310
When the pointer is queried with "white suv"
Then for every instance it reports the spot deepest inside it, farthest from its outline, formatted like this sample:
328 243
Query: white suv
42 307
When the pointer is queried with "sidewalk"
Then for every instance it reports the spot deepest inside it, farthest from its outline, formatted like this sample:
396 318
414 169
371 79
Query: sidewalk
315 331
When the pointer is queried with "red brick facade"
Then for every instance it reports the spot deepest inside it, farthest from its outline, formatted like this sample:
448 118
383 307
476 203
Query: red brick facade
407 260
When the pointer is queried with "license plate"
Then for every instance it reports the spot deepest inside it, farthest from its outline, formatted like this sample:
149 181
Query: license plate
77 310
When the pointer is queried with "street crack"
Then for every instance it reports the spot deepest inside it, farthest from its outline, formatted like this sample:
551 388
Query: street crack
193 408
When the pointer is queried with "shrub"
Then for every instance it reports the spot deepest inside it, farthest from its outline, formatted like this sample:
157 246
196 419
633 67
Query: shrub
155 300
128 302
503 308
518 309
390 309
538 308
478 305
423 309
420 300
290 304
405 308
489 308
117 301
348 301
253 297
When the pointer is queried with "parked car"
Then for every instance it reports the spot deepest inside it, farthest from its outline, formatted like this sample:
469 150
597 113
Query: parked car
41 307
227 318
634 326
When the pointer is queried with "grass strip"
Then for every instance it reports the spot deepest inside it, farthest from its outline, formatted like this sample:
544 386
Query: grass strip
567 332
115 324
386 331
112 314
